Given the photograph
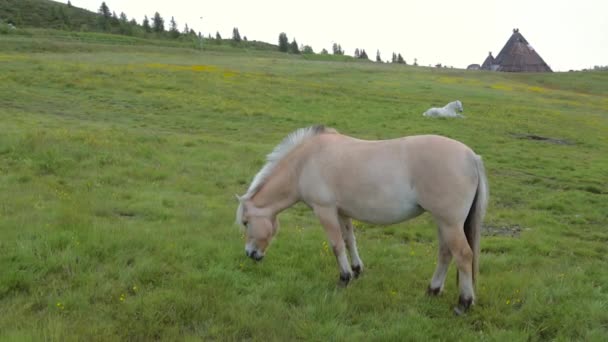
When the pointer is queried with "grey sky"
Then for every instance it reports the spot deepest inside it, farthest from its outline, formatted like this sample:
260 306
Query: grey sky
567 34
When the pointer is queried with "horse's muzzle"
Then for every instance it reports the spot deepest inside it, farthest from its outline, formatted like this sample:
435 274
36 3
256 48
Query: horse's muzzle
254 255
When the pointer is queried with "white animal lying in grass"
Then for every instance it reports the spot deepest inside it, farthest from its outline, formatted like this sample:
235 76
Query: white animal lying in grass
449 111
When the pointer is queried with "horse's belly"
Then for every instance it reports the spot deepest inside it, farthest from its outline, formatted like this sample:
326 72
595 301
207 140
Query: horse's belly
382 209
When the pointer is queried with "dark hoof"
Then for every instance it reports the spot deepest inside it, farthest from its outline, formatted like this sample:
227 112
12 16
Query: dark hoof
433 291
463 305
345 278
458 311
357 270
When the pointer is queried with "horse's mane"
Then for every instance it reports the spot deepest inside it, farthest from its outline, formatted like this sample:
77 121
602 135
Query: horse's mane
293 140
453 104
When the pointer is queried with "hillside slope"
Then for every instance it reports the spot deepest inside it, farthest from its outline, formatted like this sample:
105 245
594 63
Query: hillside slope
46 14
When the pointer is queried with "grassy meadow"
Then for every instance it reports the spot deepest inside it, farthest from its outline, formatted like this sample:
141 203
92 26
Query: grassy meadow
119 163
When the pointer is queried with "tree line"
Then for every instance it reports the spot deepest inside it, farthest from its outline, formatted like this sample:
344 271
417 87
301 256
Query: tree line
293 47
108 21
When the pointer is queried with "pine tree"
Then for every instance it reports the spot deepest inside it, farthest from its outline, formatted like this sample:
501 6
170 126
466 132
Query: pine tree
217 35
146 25
400 59
293 47
378 59
357 53
158 24
186 29
173 31
104 10
394 59
283 42
105 16
337 49
114 20
124 26
69 3
324 51
236 36
363 54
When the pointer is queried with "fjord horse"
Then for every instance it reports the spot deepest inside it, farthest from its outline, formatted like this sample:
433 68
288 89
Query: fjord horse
379 182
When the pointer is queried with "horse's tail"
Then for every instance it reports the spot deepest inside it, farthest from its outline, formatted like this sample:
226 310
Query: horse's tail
472 225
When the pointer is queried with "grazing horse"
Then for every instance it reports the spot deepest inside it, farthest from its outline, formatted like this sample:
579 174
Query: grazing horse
448 111
380 182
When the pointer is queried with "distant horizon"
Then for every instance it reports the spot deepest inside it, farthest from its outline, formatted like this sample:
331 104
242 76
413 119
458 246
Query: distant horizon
455 35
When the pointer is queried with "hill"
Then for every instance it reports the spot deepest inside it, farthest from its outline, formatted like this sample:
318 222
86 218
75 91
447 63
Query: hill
50 15
120 158
46 14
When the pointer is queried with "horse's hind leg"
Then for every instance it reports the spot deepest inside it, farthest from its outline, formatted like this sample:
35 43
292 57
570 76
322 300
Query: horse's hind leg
348 233
443 262
454 237
328 216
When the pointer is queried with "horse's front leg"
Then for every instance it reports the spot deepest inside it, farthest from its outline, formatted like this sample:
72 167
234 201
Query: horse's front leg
328 216
348 233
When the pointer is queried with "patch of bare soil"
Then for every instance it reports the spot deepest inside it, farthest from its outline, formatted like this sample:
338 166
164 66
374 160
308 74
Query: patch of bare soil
511 231
541 138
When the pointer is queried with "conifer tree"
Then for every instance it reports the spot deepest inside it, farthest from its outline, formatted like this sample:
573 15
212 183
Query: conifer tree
146 25
236 36
173 31
293 47
337 49
400 59
283 42
105 16
158 23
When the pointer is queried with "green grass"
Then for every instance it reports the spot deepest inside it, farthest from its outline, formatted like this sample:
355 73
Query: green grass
119 165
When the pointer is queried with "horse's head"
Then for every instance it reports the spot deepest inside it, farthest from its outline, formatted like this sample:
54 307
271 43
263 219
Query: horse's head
260 227
458 105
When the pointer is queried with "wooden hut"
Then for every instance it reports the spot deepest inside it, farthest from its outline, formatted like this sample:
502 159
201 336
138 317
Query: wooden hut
516 56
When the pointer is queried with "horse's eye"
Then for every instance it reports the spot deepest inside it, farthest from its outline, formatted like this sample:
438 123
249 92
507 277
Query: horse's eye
245 223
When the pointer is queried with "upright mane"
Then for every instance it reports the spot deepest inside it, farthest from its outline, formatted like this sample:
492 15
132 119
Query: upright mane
293 140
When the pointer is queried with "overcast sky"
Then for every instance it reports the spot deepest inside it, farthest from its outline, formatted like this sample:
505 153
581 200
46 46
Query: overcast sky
568 34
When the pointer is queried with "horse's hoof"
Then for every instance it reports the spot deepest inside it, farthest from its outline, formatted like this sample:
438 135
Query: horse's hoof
463 305
357 270
345 278
458 311
433 291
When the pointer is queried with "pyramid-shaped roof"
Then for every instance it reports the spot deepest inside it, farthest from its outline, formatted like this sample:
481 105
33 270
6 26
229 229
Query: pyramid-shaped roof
488 63
519 56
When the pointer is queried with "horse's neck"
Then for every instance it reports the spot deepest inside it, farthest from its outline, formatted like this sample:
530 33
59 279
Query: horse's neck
279 192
